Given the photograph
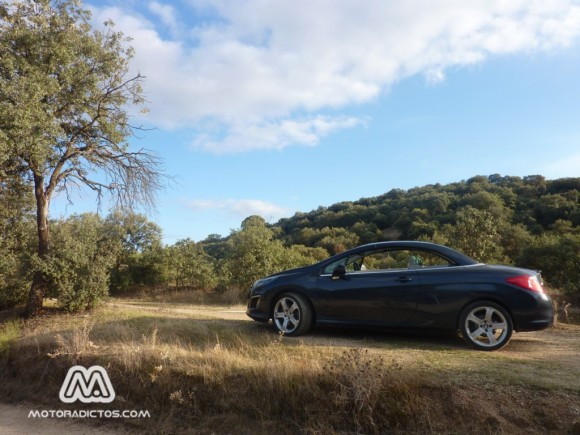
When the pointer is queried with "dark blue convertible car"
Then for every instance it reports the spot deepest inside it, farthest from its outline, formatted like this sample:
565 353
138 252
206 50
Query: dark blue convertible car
405 285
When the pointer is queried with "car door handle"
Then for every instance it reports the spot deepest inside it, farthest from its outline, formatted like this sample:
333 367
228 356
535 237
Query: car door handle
405 279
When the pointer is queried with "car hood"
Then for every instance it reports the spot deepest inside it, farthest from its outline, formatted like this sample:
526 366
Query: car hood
291 271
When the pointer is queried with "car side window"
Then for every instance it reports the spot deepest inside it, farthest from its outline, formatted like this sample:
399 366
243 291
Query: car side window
328 269
385 260
426 259
396 259
351 263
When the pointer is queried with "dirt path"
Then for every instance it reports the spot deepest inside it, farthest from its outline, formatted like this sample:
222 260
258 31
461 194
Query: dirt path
14 420
237 312
560 341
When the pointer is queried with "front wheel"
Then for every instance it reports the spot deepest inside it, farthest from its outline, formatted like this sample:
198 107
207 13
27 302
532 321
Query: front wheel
486 325
292 314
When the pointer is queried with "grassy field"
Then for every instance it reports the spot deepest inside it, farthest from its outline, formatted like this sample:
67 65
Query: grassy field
206 368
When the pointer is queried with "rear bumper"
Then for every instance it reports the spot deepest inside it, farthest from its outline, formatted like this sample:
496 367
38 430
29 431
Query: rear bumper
537 325
541 318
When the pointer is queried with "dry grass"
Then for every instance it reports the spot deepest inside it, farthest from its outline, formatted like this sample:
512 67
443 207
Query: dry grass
196 372
9 332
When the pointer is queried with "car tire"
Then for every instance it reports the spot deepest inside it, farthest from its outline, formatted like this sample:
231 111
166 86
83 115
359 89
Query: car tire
486 325
292 314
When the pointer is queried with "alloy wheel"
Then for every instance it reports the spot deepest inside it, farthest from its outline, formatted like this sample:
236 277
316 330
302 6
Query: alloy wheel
486 326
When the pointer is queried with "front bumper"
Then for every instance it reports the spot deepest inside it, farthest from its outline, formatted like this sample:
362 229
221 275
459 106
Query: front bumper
255 311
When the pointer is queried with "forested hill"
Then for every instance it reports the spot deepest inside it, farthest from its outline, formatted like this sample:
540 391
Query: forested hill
517 206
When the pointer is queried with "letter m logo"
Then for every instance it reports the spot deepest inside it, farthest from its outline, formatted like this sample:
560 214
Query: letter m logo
90 385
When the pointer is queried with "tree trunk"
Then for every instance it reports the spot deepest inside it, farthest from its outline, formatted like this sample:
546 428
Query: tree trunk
39 284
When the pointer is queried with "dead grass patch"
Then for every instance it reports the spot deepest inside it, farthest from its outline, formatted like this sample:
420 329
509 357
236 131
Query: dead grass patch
206 375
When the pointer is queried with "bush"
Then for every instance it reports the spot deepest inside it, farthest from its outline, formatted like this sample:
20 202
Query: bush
79 265
558 258
14 279
189 266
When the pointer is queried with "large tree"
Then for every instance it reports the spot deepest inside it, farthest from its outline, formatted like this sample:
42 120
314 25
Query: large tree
253 253
65 94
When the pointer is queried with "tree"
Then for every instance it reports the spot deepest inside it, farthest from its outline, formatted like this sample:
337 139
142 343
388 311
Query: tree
140 260
189 265
337 240
137 233
300 255
558 257
252 254
64 124
476 234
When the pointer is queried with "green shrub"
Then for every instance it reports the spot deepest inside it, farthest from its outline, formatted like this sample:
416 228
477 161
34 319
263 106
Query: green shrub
558 258
79 265
14 279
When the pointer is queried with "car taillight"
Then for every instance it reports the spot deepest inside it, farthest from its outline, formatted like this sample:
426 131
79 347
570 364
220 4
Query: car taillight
528 282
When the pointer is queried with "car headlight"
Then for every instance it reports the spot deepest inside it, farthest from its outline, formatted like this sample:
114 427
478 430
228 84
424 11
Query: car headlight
262 282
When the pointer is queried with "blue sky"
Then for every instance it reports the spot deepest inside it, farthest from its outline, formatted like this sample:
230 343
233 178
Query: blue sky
274 106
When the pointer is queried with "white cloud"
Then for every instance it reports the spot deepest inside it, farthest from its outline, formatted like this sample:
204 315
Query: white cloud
279 134
166 14
255 64
435 76
241 208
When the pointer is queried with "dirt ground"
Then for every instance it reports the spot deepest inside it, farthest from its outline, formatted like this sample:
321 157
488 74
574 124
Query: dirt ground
237 312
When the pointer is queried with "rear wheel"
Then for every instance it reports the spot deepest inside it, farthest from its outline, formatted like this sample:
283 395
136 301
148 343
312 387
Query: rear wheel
486 325
292 314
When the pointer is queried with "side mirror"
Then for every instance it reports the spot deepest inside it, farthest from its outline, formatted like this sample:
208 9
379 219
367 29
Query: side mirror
339 272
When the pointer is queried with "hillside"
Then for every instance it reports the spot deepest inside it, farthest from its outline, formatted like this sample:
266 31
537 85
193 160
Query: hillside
534 203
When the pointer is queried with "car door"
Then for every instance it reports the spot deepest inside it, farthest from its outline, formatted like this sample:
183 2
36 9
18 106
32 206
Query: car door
445 291
382 293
